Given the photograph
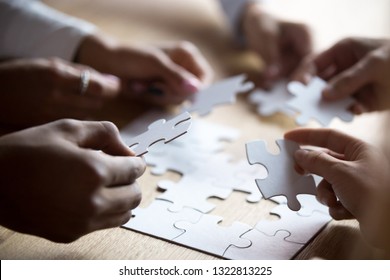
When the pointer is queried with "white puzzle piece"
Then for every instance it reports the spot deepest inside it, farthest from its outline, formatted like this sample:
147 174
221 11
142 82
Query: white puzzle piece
221 92
272 101
159 130
264 247
309 103
282 177
301 228
208 235
158 221
191 192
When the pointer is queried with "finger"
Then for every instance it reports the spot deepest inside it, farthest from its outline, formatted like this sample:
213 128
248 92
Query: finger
121 170
94 135
178 78
188 56
325 194
111 220
349 81
317 162
97 84
305 71
327 138
339 212
121 198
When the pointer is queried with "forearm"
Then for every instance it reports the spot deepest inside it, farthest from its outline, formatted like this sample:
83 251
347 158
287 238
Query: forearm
32 29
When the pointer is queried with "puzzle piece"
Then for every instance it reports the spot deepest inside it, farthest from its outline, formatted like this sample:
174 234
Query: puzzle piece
158 221
282 178
264 247
159 130
301 228
310 104
208 236
273 101
191 192
222 92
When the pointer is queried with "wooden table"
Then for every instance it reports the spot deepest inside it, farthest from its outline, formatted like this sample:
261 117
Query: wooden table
201 22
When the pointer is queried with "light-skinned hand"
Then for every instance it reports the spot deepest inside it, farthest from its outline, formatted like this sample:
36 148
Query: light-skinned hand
356 179
357 67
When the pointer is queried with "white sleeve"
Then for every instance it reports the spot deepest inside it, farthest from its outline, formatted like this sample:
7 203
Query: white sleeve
29 28
233 10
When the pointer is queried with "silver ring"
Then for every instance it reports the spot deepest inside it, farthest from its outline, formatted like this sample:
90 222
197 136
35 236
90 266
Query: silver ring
84 81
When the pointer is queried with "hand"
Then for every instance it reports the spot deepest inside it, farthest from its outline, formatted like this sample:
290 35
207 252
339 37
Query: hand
281 44
165 75
36 91
356 179
68 178
357 67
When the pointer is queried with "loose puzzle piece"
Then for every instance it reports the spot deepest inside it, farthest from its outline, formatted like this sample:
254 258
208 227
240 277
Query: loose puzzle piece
301 228
264 247
273 101
222 92
157 220
191 192
207 235
310 104
282 178
160 130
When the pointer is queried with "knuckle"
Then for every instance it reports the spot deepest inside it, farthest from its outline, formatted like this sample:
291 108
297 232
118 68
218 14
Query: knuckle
68 125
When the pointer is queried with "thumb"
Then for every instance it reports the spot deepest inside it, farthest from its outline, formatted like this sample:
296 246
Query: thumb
349 81
317 162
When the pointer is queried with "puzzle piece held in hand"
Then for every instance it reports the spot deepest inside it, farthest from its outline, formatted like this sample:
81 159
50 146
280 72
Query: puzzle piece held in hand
160 130
273 101
222 92
209 236
310 104
282 178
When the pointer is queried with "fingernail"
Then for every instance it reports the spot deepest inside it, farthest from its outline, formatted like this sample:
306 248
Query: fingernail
300 155
191 85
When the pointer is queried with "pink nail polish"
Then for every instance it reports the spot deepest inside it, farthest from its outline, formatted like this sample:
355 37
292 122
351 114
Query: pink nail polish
191 85
112 78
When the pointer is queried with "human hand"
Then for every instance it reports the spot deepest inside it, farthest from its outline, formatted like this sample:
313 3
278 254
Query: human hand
36 91
358 67
281 44
356 179
67 178
162 75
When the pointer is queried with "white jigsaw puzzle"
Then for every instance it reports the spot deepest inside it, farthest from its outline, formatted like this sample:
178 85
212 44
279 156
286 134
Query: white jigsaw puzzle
272 101
191 192
160 130
221 92
301 228
208 235
158 220
309 103
282 178
264 247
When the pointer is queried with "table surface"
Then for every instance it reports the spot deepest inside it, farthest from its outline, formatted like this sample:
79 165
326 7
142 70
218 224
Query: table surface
202 23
